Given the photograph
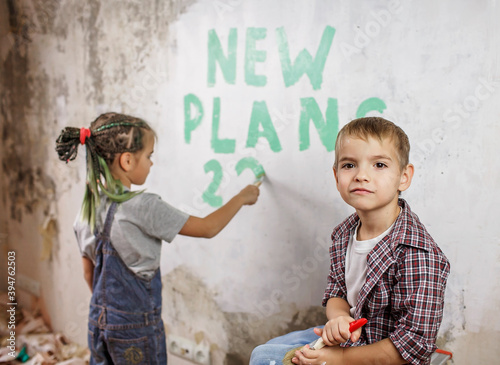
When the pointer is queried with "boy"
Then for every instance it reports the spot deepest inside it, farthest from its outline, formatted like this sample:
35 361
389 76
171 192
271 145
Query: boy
384 264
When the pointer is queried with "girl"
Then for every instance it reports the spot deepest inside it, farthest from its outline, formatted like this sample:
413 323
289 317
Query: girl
120 232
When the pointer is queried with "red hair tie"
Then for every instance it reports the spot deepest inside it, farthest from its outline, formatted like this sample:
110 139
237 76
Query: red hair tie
84 133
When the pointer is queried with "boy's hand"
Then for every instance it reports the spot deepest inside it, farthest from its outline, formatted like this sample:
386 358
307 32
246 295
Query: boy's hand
337 331
249 194
326 355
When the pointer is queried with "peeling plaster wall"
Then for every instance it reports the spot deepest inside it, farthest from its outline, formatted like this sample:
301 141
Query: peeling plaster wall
55 71
4 30
434 67
193 312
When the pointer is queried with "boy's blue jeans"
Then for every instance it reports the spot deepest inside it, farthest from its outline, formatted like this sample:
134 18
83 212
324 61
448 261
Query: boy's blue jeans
273 351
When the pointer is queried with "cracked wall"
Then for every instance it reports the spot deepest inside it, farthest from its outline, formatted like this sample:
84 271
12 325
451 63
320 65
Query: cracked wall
193 313
55 72
23 98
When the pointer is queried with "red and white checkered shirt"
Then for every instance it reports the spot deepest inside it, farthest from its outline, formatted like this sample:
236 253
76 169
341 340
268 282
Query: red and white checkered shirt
403 295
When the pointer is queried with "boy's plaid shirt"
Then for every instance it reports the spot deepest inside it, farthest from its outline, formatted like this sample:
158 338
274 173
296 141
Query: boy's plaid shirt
403 295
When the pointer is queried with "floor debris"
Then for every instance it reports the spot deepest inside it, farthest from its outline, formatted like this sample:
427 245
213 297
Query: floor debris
30 341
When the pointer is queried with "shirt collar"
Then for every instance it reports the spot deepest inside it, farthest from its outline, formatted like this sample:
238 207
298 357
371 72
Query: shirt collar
407 229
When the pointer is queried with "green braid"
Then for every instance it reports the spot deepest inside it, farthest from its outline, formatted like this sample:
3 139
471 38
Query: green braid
113 189
120 124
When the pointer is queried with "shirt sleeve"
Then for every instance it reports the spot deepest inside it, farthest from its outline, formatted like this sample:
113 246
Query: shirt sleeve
85 238
417 302
335 283
160 219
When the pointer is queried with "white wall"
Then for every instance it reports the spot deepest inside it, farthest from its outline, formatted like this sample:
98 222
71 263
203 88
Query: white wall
434 68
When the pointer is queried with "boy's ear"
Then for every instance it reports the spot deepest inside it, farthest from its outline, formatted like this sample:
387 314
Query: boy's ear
406 177
126 161
335 174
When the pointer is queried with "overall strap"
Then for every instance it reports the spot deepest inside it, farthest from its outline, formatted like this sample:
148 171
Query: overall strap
102 236
106 231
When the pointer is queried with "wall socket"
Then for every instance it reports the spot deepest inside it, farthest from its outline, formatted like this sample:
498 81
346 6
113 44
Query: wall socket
201 354
189 350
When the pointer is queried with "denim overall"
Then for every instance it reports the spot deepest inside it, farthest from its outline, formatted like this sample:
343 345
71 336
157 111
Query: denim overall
125 325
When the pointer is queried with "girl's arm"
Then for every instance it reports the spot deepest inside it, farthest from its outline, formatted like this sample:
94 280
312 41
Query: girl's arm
88 271
213 223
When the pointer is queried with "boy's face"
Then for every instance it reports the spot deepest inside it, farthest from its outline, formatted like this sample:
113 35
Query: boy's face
368 174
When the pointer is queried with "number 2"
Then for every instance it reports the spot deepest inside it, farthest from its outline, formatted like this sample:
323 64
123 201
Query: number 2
209 195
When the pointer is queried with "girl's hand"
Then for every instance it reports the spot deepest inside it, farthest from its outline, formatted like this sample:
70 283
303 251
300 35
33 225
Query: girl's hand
249 194
215 222
325 356
336 331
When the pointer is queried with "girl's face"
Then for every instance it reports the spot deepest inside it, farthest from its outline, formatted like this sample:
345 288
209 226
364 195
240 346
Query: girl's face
142 160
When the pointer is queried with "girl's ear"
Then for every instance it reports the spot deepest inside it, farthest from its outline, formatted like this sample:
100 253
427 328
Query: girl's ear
126 161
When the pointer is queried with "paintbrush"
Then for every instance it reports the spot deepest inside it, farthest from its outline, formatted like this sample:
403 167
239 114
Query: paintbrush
319 344
259 175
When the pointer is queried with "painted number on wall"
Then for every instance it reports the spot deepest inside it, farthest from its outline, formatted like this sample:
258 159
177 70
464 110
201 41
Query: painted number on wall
209 195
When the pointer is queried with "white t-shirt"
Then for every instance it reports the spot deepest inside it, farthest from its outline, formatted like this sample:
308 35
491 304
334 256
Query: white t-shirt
139 226
356 265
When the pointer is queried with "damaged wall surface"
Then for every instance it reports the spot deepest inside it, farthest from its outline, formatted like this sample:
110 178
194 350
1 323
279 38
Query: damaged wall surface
229 86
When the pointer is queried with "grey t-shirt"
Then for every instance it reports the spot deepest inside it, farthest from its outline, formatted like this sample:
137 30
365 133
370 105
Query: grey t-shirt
139 226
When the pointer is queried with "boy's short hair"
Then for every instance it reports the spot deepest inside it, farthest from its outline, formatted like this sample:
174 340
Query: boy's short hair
379 128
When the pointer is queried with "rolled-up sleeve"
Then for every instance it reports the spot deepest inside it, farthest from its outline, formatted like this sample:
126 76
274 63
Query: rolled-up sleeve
417 303
85 238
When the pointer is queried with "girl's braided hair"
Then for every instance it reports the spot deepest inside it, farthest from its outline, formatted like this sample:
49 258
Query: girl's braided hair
109 135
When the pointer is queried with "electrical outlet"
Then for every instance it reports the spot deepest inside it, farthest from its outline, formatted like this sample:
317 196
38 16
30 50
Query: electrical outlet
180 346
201 354
187 349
